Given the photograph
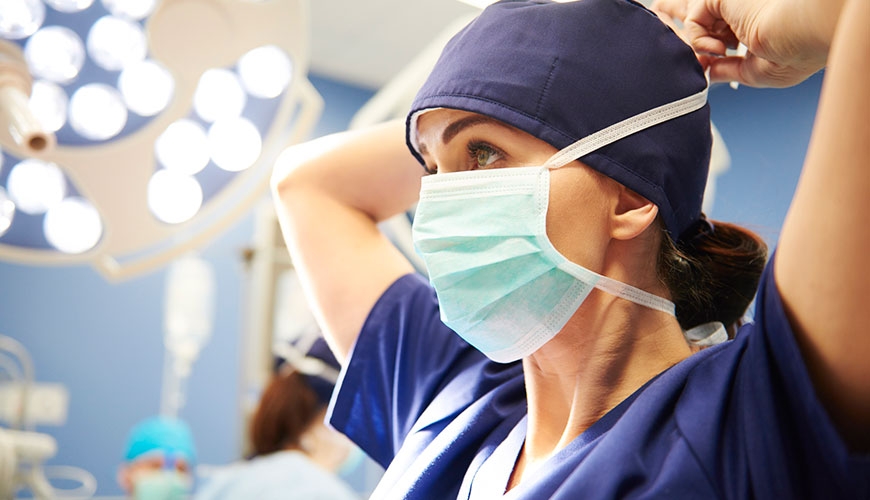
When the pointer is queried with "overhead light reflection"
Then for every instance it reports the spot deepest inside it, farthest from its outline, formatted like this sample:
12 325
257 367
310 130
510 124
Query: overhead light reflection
219 94
234 143
147 87
21 19
97 112
183 147
115 43
35 186
7 211
265 71
130 9
49 102
55 53
69 5
174 197
73 225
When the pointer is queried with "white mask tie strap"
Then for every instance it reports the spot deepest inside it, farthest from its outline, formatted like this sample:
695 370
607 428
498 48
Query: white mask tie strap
627 127
636 295
707 334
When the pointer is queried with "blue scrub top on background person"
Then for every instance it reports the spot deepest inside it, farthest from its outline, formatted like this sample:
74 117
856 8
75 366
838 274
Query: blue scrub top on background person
295 456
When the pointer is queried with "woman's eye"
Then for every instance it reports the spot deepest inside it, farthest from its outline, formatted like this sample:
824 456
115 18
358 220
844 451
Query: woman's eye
482 155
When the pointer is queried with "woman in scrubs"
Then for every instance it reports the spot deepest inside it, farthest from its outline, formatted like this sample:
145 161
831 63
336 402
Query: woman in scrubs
554 351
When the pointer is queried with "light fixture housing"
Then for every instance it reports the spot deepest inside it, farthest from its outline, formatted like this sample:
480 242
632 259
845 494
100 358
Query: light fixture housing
111 170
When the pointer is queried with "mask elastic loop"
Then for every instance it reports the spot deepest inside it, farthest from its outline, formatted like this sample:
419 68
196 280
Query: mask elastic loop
636 295
627 127
707 334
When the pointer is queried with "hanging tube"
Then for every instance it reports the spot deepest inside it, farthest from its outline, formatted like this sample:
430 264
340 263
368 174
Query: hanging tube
16 117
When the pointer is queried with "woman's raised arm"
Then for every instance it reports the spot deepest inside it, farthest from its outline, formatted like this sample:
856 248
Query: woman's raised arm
330 193
821 269
822 266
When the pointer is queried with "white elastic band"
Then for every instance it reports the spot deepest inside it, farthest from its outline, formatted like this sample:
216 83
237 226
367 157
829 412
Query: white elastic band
627 127
635 295
707 334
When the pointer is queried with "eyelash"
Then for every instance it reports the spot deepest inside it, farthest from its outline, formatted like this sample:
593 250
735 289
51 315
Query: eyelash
473 149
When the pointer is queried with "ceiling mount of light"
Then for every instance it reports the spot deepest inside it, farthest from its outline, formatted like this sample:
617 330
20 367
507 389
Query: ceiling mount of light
149 130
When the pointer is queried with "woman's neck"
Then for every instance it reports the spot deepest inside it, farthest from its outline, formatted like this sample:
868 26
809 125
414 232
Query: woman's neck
608 350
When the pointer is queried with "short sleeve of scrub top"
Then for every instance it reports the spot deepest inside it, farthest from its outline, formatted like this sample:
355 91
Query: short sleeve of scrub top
738 420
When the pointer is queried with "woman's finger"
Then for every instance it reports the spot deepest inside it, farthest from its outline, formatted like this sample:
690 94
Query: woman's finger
675 9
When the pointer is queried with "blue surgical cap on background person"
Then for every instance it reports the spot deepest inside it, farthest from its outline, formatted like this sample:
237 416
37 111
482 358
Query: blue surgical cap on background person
169 436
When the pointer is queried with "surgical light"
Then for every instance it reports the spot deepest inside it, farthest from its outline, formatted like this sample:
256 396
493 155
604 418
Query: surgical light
146 87
115 43
69 5
130 9
21 19
163 120
35 186
49 103
183 147
219 95
174 197
97 111
234 143
265 71
73 225
7 211
55 53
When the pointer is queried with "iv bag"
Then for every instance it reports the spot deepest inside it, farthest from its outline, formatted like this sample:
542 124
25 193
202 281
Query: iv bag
189 307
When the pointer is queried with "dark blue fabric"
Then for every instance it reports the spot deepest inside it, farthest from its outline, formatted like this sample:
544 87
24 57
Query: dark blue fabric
739 420
562 71
319 349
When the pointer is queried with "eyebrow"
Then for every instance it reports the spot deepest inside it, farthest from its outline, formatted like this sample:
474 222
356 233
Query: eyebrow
452 130
458 126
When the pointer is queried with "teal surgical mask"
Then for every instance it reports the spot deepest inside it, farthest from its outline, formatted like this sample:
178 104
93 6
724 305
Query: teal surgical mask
162 485
501 284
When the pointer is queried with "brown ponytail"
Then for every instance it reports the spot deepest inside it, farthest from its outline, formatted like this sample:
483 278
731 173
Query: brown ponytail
714 276
287 407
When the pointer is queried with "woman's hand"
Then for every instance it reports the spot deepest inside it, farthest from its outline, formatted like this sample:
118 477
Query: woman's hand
786 40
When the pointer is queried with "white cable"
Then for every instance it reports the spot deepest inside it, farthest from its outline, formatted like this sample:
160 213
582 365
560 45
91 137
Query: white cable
16 348
8 364
67 472
8 465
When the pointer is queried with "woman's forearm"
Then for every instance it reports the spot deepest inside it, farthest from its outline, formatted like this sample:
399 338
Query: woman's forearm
330 194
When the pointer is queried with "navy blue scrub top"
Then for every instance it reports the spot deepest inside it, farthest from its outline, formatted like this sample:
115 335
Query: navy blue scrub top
738 420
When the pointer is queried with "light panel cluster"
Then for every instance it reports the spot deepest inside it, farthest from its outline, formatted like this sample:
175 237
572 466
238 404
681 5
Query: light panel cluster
94 83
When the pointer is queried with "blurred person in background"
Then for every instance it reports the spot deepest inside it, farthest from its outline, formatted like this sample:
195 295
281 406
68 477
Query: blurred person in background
295 455
158 459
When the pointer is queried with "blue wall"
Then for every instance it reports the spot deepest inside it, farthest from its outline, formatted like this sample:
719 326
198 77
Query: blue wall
766 132
104 341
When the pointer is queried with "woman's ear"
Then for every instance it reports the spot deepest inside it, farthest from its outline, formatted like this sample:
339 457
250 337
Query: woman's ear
632 215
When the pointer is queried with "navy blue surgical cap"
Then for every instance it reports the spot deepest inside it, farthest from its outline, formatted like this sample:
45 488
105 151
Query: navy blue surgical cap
562 71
